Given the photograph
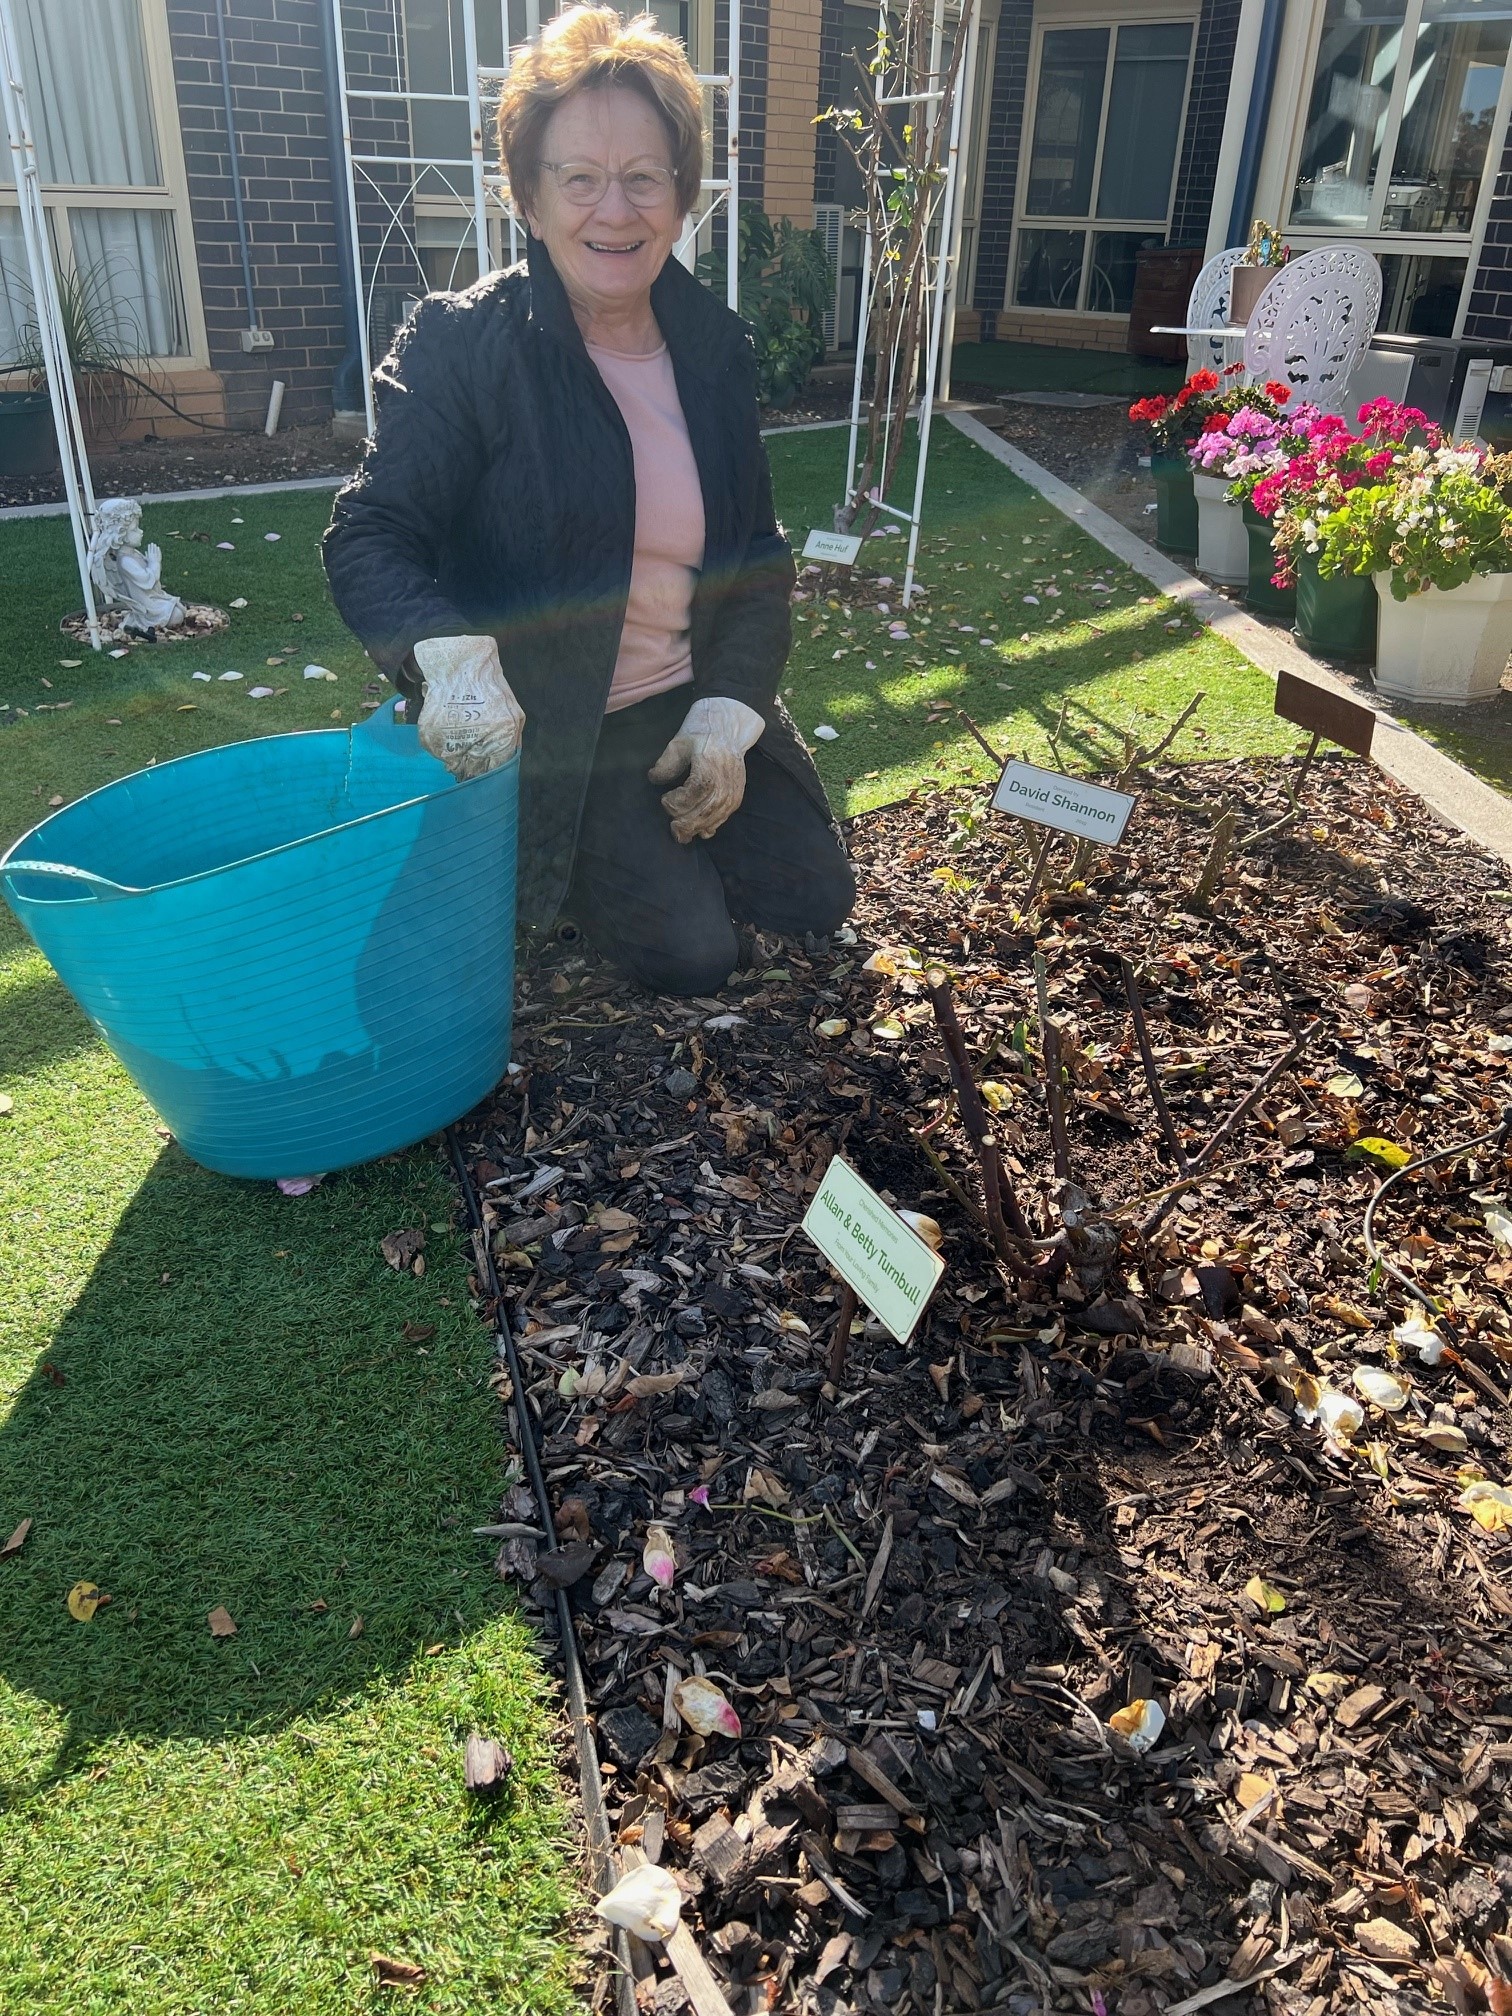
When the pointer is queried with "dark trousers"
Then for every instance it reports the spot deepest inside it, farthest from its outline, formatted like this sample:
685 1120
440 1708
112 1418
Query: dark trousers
666 913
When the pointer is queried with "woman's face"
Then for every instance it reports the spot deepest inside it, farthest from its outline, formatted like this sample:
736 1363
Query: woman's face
607 252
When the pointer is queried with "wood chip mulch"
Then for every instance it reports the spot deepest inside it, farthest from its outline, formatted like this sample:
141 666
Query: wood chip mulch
1095 1477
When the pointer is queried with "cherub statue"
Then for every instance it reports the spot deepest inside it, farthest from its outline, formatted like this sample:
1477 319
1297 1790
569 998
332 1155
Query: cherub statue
125 574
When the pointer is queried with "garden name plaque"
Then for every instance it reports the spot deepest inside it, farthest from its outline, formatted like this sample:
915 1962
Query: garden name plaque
889 1266
838 548
1069 804
1334 716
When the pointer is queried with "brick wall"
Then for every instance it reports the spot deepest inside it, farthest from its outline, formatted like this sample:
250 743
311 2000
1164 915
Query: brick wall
1005 125
754 30
831 84
1489 316
276 81
1207 109
792 100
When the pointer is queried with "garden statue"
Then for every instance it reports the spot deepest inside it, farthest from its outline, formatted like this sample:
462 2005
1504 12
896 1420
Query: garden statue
125 574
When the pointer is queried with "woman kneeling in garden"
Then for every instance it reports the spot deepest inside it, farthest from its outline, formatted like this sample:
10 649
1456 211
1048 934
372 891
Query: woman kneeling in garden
562 531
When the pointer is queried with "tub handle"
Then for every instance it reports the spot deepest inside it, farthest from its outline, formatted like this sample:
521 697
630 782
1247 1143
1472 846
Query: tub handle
98 886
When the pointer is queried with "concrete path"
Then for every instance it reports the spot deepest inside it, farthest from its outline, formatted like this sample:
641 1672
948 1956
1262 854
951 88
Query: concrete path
1454 792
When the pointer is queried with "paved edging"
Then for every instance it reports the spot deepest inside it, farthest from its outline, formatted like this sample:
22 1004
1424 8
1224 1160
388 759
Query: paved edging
1457 794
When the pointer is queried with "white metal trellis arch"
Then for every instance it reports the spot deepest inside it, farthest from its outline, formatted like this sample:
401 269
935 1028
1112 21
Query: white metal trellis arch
77 482
486 193
948 215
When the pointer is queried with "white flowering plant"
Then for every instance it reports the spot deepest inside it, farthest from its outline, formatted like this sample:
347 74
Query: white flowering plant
1439 515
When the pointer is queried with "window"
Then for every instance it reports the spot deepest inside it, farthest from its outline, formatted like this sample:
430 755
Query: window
113 217
1413 84
1108 109
1400 121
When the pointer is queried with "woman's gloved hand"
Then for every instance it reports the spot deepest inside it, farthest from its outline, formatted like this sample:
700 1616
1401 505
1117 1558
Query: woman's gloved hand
711 746
469 718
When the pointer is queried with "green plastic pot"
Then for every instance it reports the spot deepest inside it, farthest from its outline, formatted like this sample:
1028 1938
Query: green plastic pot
1336 617
1176 502
1261 592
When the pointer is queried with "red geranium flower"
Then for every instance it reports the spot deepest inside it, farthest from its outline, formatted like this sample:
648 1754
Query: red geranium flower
1202 381
1215 423
1274 389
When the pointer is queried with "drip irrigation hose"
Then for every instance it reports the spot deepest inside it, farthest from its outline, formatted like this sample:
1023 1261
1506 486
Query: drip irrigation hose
1377 1258
600 1840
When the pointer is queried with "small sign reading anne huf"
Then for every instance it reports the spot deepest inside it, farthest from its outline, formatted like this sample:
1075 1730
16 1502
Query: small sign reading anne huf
1069 804
840 549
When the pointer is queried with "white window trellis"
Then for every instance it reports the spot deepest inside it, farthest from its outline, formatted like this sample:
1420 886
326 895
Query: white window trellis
405 181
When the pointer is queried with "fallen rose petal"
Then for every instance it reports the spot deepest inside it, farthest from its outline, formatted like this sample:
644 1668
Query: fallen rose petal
647 1902
1139 1724
704 1707
658 1557
299 1186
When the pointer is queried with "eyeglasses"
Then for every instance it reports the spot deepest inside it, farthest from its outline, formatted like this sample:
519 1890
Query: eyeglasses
583 183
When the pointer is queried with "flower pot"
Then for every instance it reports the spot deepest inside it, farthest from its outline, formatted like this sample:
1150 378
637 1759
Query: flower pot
1246 285
1445 644
1176 506
1222 542
28 443
1336 617
1260 591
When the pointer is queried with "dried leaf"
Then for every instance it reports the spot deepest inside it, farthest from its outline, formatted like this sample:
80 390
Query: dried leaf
1381 1389
221 1622
1344 1085
1489 1505
16 1541
396 1973
84 1599
1375 1148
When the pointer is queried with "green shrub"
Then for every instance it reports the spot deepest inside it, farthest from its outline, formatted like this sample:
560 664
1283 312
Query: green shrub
786 285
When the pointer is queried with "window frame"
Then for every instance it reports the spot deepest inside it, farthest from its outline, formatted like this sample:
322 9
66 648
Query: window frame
171 194
1113 18
1370 237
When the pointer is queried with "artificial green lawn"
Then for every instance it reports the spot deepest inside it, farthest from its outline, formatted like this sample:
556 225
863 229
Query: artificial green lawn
206 1394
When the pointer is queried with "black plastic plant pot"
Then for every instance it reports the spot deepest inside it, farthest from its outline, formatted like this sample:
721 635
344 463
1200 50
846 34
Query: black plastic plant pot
28 445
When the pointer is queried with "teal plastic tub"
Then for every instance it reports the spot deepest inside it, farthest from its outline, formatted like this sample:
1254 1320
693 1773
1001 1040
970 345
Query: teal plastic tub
300 947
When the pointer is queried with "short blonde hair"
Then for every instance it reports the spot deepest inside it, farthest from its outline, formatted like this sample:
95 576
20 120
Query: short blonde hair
586 49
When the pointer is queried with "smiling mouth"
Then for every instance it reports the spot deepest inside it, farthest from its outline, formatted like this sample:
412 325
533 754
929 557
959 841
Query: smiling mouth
621 249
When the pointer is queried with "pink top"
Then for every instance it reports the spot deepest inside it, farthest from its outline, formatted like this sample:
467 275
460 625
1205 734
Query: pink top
669 526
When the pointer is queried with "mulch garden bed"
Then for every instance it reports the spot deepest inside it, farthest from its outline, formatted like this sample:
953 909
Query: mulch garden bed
931 1577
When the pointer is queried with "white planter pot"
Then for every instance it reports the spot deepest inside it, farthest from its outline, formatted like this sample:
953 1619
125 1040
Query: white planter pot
1222 543
1446 644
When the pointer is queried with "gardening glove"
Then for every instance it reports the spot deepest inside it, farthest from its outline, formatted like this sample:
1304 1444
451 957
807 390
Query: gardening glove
711 746
469 718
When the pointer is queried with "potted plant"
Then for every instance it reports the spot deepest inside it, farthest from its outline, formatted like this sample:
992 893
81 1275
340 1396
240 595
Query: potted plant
28 442
1264 257
1173 425
101 352
1222 540
1432 532
1252 445
1336 604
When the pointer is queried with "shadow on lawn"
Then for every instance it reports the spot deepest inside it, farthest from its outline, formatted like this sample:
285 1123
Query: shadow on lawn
39 1024
242 1422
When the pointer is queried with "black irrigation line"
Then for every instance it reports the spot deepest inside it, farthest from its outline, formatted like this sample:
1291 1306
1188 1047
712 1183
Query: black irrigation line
1376 1257
600 1840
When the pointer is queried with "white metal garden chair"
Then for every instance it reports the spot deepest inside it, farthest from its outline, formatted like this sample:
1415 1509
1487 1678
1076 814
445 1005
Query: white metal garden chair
1208 307
1313 324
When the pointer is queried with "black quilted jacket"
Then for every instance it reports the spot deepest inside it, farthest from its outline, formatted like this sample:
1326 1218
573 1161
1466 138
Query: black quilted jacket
497 496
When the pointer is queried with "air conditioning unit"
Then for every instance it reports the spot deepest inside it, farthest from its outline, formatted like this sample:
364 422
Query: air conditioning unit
829 222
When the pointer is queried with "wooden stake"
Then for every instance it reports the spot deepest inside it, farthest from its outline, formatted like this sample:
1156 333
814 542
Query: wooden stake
840 1336
997 1190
